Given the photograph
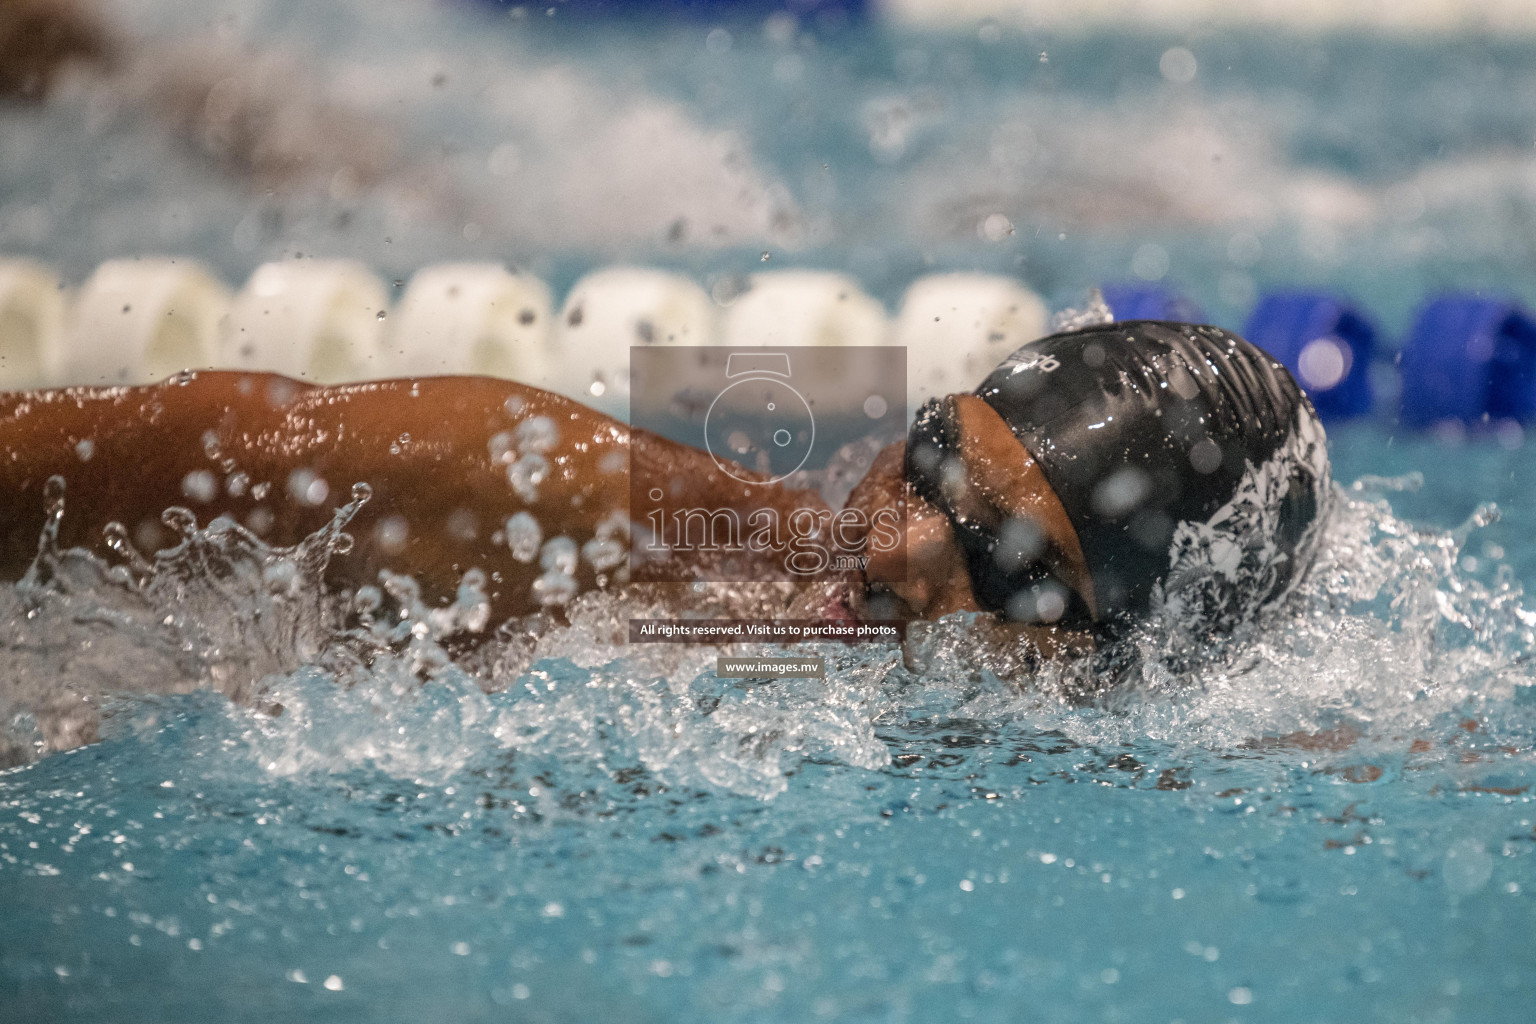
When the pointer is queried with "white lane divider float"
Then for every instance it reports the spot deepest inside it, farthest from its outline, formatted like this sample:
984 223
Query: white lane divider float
320 320
31 325
815 308
958 327
610 310
804 307
475 318
136 321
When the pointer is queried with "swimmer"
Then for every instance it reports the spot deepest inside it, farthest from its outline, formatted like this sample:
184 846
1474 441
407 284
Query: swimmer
1094 479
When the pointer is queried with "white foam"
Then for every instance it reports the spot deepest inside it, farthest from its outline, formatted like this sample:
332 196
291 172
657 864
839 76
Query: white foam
141 320
476 318
31 325
315 319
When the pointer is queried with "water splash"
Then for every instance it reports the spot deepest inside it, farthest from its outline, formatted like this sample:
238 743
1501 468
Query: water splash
1096 311
1386 642
219 610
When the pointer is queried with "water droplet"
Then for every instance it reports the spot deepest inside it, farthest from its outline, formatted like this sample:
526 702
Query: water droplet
367 600
391 533
538 434
524 536
526 474
603 554
559 555
53 495
180 520
554 588
200 485
307 487
995 227
116 535
500 446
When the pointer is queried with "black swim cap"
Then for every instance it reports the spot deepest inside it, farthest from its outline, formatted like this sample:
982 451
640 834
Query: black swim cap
1191 465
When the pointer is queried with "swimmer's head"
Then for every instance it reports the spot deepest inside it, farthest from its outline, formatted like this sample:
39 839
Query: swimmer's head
1119 472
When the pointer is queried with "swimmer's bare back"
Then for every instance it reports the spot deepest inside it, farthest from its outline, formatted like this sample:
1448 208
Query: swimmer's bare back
278 456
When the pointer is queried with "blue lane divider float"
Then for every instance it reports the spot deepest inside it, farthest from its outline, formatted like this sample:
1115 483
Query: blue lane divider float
1149 302
1469 358
1325 342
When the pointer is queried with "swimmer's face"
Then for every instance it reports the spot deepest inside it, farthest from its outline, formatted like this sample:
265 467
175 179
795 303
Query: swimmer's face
933 583
1002 482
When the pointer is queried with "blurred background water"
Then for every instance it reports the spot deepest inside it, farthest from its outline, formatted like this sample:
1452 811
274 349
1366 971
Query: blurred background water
1221 158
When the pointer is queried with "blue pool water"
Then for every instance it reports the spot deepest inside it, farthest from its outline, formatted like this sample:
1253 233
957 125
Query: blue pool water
1331 822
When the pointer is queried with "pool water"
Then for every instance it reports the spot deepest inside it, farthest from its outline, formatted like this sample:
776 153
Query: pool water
1331 820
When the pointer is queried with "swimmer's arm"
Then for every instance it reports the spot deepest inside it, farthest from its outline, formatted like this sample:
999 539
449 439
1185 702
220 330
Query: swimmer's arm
278 456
